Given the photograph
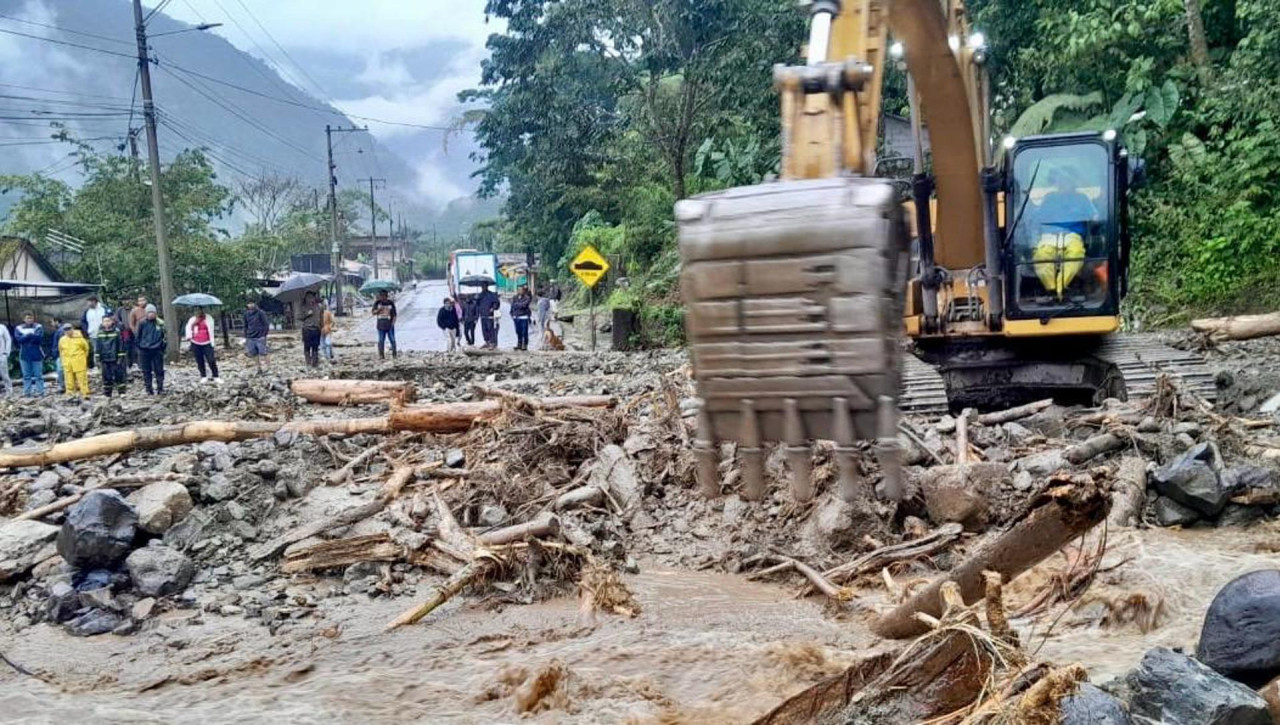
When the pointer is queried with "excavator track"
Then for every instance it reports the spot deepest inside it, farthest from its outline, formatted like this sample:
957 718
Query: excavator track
1142 361
1138 360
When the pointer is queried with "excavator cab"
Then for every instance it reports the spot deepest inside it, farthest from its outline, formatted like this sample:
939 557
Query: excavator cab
1064 236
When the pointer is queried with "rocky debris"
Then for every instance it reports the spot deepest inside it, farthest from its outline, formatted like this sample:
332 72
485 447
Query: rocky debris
959 494
1168 512
23 544
99 531
94 622
616 473
1246 477
1191 480
158 570
142 609
63 602
1090 705
160 505
1171 688
1241 633
455 458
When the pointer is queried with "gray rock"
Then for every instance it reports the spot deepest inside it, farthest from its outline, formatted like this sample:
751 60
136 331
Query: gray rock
959 494
126 627
734 509
41 498
1023 480
93 622
63 602
833 524
1092 706
1241 633
492 515
1239 516
280 491
1171 513
1044 463
100 598
189 531
244 530
158 571
23 544
455 458
143 608
268 468
1190 428
218 488
160 505
1190 479
1149 424
1171 688
46 481
98 531
297 486
1242 478
615 472
1271 405
211 449
222 462
1017 434
285 438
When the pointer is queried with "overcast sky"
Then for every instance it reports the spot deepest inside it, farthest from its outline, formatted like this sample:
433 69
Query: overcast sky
400 60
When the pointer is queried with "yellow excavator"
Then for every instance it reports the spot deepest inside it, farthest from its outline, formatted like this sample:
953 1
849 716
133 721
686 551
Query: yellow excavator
1005 268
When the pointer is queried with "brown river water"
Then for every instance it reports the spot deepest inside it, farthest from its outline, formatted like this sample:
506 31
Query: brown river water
706 648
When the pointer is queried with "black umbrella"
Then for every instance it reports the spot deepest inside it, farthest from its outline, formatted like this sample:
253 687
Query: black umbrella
477 280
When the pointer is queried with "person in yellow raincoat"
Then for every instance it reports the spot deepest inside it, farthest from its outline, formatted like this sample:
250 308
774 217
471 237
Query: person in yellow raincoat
73 349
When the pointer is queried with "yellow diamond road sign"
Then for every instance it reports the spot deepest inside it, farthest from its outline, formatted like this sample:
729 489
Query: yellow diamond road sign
589 266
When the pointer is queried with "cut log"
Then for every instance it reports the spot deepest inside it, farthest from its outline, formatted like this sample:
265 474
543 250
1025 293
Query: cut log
354 392
582 496
1128 493
343 552
434 418
1093 447
544 525
1012 414
1058 516
1242 327
390 489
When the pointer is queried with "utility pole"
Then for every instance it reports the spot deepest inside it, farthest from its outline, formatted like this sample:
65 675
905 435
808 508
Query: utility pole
157 197
336 246
373 222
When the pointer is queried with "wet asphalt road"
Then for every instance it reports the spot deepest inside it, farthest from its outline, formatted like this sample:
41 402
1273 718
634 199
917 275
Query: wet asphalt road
416 324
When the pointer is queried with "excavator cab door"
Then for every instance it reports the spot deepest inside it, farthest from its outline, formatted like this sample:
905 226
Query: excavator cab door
1064 224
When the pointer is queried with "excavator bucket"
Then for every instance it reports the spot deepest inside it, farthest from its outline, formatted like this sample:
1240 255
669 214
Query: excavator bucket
791 291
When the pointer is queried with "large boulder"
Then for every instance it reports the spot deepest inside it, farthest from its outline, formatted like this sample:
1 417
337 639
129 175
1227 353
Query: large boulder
959 494
1241 633
23 544
1093 706
158 571
1191 480
161 505
1173 689
98 532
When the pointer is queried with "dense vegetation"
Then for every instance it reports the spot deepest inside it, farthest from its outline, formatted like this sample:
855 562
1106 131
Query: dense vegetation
601 113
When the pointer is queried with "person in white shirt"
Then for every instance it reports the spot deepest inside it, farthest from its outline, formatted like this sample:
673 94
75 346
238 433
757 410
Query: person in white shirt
6 347
92 321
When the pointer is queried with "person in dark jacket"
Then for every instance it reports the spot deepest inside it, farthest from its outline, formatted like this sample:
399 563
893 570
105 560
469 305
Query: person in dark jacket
470 316
256 326
29 336
151 347
385 310
447 320
488 305
311 319
113 356
522 314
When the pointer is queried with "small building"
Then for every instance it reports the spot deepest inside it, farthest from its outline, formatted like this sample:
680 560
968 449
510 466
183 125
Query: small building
20 261
384 256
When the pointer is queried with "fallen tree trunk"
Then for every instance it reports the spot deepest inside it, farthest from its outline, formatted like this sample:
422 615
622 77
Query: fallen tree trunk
433 418
399 477
1061 514
1241 327
1129 493
1012 414
343 552
545 525
354 392
533 403
1093 447
582 496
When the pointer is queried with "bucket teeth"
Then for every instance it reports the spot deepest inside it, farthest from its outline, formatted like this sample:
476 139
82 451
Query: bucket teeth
889 448
798 454
706 453
752 454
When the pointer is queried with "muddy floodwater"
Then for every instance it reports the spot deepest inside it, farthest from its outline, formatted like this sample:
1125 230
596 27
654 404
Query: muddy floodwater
706 648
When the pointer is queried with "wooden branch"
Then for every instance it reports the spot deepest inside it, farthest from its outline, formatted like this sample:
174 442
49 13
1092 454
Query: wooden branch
1012 414
940 539
343 474
1093 447
343 552
820 582
474 570
1129 493
355 392
1241 327
962 440
545 525
1060 515
581 496
394 484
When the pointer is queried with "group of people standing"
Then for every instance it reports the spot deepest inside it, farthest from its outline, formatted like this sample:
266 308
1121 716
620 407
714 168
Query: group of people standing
461 315
112 341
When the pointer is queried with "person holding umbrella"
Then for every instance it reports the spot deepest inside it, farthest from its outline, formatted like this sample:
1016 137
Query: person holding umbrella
470 316
310 319
199 332
385 310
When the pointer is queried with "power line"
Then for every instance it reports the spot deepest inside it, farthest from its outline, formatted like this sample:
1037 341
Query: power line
295 63
61 93
156 9
67 30
279 66
207 138
67 43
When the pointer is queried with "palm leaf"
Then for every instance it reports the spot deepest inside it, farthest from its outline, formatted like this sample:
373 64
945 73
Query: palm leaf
1039 117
